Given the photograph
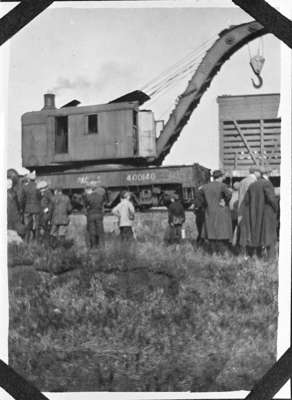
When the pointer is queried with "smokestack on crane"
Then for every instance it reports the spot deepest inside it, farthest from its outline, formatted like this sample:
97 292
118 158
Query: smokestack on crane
49 101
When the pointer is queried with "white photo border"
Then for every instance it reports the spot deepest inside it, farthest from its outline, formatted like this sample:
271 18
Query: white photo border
284 291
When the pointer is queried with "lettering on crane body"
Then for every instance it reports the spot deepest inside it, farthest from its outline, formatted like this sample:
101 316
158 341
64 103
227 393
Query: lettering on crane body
86 180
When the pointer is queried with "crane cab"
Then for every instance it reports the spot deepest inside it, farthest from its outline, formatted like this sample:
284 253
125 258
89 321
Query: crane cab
118 132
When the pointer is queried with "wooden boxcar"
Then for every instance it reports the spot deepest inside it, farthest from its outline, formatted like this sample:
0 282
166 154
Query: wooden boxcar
249 133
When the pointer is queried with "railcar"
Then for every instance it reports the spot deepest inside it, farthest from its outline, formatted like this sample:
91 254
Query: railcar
150 186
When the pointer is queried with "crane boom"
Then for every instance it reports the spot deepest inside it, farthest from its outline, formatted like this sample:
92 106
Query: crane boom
230 40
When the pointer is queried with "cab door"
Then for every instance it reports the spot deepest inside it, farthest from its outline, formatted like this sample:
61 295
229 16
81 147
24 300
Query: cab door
147 136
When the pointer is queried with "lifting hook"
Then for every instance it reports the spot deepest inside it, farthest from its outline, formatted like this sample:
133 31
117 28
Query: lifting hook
260 84
256 64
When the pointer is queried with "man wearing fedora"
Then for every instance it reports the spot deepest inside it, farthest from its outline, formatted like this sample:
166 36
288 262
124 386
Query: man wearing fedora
217 225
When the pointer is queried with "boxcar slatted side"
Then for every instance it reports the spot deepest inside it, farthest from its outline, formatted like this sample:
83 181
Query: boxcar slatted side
249 131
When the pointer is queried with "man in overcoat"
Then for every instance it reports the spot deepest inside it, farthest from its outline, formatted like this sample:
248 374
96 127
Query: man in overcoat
262 205
243 212
199 211
61 208
17 185
94 200
31 204
217 225
13 209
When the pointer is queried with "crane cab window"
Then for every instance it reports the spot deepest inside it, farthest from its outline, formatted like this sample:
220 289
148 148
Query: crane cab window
92 124
61 135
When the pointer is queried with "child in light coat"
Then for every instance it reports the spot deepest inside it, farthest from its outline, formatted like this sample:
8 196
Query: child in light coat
125 212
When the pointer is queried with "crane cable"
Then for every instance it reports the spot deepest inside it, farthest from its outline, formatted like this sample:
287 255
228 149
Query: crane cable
178 76
166 88
260 50
159 85
188 71
169 69
189 64
173 78
176 69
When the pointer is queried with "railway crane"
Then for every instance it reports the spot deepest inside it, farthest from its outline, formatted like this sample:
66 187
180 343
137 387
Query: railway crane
116 144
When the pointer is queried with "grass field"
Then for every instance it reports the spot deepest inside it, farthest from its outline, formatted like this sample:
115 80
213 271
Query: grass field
142 318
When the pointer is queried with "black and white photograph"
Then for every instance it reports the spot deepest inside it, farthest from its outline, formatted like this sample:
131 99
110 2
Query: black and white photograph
147 187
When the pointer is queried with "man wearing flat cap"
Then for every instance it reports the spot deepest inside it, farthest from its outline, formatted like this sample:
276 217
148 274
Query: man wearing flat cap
261 203
217 226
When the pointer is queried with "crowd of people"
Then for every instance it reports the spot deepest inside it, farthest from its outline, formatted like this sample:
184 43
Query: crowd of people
243 218
39 214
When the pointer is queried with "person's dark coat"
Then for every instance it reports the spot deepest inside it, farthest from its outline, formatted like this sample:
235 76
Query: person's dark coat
77 202
19 190
199 211
217 224
261 204
244 223
94 202
176 218
61 207
46 207
13 211
31 198
176 213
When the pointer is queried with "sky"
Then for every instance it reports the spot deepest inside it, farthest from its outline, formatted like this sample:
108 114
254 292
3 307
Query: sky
96 55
